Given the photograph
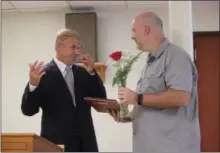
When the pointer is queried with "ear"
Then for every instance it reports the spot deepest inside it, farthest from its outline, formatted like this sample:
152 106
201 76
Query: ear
146 29
57 46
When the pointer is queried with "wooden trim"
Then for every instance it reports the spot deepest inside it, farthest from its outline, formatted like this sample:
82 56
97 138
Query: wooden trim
29 142
206 33
100 69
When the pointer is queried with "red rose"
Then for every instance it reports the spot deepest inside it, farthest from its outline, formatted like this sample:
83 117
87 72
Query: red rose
116 55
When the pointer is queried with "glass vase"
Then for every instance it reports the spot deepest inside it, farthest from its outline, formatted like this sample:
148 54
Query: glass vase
124 110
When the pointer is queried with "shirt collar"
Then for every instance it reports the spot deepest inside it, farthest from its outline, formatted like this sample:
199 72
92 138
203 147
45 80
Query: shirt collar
160 50
62 66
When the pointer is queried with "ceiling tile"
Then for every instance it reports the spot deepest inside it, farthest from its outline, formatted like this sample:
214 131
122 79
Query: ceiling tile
132 4
39 4
97 4
6 5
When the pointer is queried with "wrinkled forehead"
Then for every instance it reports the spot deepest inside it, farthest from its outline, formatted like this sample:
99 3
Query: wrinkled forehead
72 40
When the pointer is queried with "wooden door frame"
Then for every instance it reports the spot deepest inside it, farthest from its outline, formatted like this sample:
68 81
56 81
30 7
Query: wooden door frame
203 33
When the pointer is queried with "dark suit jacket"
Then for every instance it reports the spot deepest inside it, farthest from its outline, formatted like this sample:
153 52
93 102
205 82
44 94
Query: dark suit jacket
62 123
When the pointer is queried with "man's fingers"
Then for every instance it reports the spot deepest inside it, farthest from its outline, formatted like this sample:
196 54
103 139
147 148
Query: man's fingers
37 69
120 97
32 66
38 66
118 116
42 74
84 57
84 61
35 66
109 112
121 89
115 114
35 63
40 70
120 92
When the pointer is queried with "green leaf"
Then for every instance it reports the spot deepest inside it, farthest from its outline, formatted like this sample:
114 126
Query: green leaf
115 80
123 68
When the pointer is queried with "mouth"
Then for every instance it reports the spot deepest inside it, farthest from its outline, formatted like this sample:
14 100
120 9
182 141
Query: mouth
76 54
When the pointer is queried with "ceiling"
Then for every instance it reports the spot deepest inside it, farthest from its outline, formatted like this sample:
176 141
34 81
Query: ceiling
78 5
89 5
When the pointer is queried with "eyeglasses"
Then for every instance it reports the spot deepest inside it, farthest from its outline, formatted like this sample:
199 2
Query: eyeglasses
78 46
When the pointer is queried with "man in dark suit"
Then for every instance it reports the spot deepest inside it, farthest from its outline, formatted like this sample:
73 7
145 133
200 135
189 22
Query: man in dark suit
66 117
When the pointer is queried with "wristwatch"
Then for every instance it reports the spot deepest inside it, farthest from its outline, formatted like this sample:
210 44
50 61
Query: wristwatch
140 99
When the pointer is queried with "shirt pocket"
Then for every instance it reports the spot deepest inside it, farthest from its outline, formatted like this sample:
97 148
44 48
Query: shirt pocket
155 81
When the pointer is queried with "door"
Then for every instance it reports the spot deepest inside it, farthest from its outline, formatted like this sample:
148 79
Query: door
207 61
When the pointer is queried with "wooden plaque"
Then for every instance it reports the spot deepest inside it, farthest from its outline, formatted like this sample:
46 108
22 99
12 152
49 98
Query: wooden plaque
102 105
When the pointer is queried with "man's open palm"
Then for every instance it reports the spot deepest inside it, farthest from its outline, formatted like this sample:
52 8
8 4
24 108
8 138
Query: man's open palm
36 72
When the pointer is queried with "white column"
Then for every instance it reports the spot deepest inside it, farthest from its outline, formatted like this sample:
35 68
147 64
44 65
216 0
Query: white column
1 52
180 24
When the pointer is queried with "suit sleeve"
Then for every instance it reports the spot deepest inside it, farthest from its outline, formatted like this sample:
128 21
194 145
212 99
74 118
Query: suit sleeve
96 87
31 100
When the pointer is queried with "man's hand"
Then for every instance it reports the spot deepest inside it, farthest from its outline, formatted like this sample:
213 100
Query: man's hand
36 72
116 115
88 62
127 96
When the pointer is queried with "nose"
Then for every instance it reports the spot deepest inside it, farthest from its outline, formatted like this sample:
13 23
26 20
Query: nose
77 52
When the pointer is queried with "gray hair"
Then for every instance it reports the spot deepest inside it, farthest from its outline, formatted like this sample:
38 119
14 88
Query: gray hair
67 33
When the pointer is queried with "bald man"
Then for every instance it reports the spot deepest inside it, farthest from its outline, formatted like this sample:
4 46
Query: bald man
165 116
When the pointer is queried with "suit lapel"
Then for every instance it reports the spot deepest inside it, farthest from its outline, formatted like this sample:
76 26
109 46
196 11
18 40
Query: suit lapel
74 68
53 66
57 75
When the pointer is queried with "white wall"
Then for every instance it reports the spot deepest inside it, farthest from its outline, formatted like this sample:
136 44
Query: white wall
30 36
205 16
25 37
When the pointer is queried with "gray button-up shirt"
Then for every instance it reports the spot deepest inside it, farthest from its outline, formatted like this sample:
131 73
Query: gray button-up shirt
172 130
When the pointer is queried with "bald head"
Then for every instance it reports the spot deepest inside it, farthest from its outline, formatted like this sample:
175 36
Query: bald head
147 30
150 18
